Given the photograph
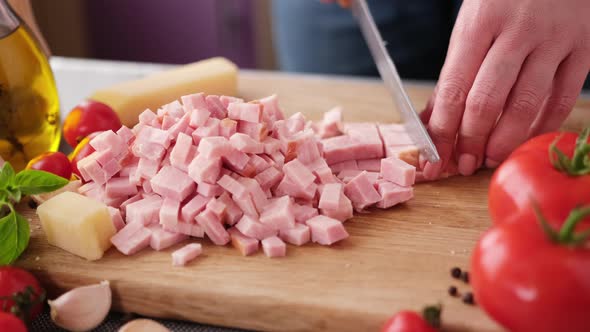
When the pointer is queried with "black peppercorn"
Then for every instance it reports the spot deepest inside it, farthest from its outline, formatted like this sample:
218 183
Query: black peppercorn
468 298
453 291
465 277
456 272
32 204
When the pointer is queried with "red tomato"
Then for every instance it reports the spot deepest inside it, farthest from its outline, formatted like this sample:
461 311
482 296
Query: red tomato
87 118
9 322
80 152
528 175
52 162
407 321
528 283
15 281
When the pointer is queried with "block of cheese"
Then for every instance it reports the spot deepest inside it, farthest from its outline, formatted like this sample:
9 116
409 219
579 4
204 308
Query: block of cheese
128 99
77 224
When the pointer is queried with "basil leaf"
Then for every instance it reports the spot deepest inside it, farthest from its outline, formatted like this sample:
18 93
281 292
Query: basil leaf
32 182
14 237
6 176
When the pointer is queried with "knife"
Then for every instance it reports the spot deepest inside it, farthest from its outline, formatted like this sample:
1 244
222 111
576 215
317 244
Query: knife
388 72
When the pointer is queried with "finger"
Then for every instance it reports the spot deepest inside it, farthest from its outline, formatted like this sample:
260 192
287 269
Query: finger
470 41
568 82
523 104
495 79
427 112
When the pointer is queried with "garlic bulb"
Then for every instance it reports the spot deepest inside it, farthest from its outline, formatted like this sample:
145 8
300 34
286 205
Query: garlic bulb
82 308
143 325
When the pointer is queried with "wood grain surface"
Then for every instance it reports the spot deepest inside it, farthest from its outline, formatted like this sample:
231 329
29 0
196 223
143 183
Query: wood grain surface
395 259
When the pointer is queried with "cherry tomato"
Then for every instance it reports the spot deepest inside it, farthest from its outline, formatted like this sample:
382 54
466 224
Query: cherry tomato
87 118
52 162
81 151
527 282
529 176
410 321
9 322
15 281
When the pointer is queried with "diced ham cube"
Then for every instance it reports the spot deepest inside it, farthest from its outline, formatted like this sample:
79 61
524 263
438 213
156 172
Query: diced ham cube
144 211
173 183
271 145
132 238
167 122
269 178
203 169
279 214
343 212
148 150
214 147
370 165
173 109
194 101
108 140
249 112
288 187
127 171
146 117
236 160
398 171
228 127
246 245
147 169
193 207
213 228
392 194
209 190
146 186
91 170
162 239
326 231
408 153
186 254
217 208
274 247
182 152
258 163
361 192
184 228
246 144
118 187
103 157
298 173
226 100
216 107
234 187
198 117
233 213
254 229
179 126
246 205
271 110
257 131
304 212
298 235
124 204
330 197
210 129
256 192
154 136
116 218
126 134
331 125
346 165
278 158
169 212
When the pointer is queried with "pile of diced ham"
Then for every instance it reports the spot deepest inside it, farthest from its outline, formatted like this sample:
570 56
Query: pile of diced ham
241 172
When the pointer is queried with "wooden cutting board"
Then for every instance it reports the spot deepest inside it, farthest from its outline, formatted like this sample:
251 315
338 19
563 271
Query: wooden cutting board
395 259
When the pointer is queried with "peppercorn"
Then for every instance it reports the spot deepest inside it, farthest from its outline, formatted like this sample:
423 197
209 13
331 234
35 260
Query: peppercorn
465 277
32 204
456 272
453 291
468 298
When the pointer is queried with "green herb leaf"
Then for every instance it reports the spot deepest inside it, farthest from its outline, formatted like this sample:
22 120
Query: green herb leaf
6 176
14 237
32 182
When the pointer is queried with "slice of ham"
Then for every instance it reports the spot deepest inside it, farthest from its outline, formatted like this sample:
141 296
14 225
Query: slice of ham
186 254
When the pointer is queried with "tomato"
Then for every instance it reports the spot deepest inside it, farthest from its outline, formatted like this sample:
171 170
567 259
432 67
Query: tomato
87 118
9 322
528 176
52 162
410 321
82 150
528 281
20 293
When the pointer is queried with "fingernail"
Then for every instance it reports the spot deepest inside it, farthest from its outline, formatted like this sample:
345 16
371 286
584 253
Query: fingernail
432 171
467 164
490 163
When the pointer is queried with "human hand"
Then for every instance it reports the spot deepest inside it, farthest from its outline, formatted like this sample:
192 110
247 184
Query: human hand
514 69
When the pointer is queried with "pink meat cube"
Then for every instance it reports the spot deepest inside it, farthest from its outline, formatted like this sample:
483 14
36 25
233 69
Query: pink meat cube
304 212
144 211
246 245
298 173
269 178
326 231
256 192
132 238
125 134
298 235
214 147
167 122
209 190
371 165
182 152
198 117
147 169
216 107
254 229
186 254
409 153
170 211
91 170
146 117
148 150
233 213
203 169
216 208
331 125
246 144
288 187
103 157
338 149
278 158
127 170
213 228
257 131
271 145
146 186
173 109
236 160
279 214
274 247
361 192
193 207
271 109
249 112
118 187
173 183
392 194
130 200
343 212
227 127
108 140
345 165
154 136
330 197
247 206
184 228
234 187
194 101
111 168
179 126
116 218
162 239
258 163
226 100
398 171
210 129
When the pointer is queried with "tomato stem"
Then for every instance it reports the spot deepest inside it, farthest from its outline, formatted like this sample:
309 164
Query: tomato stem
567 233
431 315
579 164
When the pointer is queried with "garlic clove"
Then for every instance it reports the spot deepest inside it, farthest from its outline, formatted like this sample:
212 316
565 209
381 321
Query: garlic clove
143 325
82 308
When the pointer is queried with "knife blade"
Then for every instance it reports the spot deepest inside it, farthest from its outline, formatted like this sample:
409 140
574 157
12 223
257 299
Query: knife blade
390 77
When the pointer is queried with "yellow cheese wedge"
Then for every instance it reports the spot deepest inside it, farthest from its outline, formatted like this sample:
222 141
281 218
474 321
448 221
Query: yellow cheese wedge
77 224
128 99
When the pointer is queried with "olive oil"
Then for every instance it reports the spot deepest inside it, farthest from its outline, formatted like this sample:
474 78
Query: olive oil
29 106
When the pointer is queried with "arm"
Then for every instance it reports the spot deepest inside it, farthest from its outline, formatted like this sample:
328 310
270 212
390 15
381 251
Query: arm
25 11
